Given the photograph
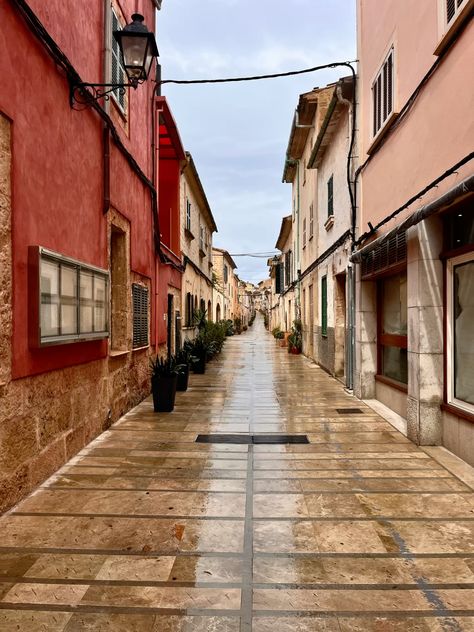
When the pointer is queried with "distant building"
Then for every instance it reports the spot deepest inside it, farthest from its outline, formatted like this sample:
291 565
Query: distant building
224 284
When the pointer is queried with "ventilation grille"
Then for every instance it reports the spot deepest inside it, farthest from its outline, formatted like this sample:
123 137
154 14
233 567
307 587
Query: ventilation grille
388 254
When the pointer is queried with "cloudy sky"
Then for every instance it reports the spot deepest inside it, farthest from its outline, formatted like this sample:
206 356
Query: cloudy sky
238 133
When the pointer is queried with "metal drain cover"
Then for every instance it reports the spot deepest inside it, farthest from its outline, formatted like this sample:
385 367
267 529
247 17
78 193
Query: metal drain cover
251 439
349 411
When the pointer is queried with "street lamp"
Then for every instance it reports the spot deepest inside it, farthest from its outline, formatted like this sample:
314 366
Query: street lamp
137 48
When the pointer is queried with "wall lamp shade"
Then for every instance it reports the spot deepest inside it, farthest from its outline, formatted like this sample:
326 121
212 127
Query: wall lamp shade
138 48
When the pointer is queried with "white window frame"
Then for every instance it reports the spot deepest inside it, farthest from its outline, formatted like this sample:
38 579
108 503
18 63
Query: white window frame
447 30
120 99
55 258
450 342
384 119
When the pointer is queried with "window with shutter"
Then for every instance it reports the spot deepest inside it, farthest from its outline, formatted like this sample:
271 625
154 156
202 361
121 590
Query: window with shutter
304 232
331 196
117 70
279 279
453 8
382 94
140 315
324 306
311 220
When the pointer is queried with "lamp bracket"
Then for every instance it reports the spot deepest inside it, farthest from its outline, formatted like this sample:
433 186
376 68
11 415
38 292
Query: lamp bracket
84 94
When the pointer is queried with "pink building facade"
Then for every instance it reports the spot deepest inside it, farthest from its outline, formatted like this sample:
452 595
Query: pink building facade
415 252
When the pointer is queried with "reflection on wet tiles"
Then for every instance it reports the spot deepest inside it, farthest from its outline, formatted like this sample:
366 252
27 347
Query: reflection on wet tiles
33 621
358 530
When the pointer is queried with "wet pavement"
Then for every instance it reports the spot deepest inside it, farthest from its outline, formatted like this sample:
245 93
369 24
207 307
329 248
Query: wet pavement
148 531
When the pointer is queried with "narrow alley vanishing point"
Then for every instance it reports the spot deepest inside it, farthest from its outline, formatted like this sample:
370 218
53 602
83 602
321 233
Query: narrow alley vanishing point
148 530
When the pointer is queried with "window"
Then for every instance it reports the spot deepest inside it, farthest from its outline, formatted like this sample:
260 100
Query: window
392 328
117 74
460 339
304 171
140 315
189 310
331 196
304 232
288 275
279 278
226 273
73 300
201 239
324 306
453 8
188 215
311 221
382 94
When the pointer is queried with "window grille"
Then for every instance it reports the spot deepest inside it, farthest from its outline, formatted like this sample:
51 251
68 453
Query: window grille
118 70
382 94
140 315
331 196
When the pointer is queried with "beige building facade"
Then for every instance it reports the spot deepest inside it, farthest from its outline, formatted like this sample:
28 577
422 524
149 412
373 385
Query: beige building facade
197 228
224 285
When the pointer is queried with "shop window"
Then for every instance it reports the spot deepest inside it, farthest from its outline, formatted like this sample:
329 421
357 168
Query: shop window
460 338
73 299
392 328
140 315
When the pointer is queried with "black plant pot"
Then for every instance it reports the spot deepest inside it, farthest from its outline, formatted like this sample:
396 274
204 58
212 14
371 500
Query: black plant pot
183 379
200 366
164 392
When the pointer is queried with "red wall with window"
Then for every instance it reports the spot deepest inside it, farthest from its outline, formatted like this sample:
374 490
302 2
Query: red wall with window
58 162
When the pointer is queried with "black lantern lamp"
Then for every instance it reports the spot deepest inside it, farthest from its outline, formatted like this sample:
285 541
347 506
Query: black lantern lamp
138 48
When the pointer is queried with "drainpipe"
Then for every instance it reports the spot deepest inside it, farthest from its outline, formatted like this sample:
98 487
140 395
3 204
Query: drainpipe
351 295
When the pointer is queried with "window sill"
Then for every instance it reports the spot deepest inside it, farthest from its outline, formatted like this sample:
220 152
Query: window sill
310 237
202 253
117 353
140 348
383 131
383 379
329 223
188 234
452 30
457 412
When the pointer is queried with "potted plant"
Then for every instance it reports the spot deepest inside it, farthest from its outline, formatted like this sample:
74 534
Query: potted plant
295 339
164 377
238 325
200 350
184 359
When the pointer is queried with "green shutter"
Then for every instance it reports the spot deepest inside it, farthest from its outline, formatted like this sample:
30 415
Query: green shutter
324 306
330 196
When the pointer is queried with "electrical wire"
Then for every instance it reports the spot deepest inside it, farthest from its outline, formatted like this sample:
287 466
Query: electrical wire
275 75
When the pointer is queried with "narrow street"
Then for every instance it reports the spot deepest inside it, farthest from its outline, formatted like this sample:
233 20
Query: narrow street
148 530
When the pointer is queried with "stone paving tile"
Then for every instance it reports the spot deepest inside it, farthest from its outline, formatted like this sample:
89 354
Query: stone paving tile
148 531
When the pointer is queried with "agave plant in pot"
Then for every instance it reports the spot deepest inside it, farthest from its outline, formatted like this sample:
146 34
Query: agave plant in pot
201 351
164 377
184 359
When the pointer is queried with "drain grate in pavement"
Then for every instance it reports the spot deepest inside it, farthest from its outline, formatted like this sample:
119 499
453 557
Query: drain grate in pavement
349 411
251 439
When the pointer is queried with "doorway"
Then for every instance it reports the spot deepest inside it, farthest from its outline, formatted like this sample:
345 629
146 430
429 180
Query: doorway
340 325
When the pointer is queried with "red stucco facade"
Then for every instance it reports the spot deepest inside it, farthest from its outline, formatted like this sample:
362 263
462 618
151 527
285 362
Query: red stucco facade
76 172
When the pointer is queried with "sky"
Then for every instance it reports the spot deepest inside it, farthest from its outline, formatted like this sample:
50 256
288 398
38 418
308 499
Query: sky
238 133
